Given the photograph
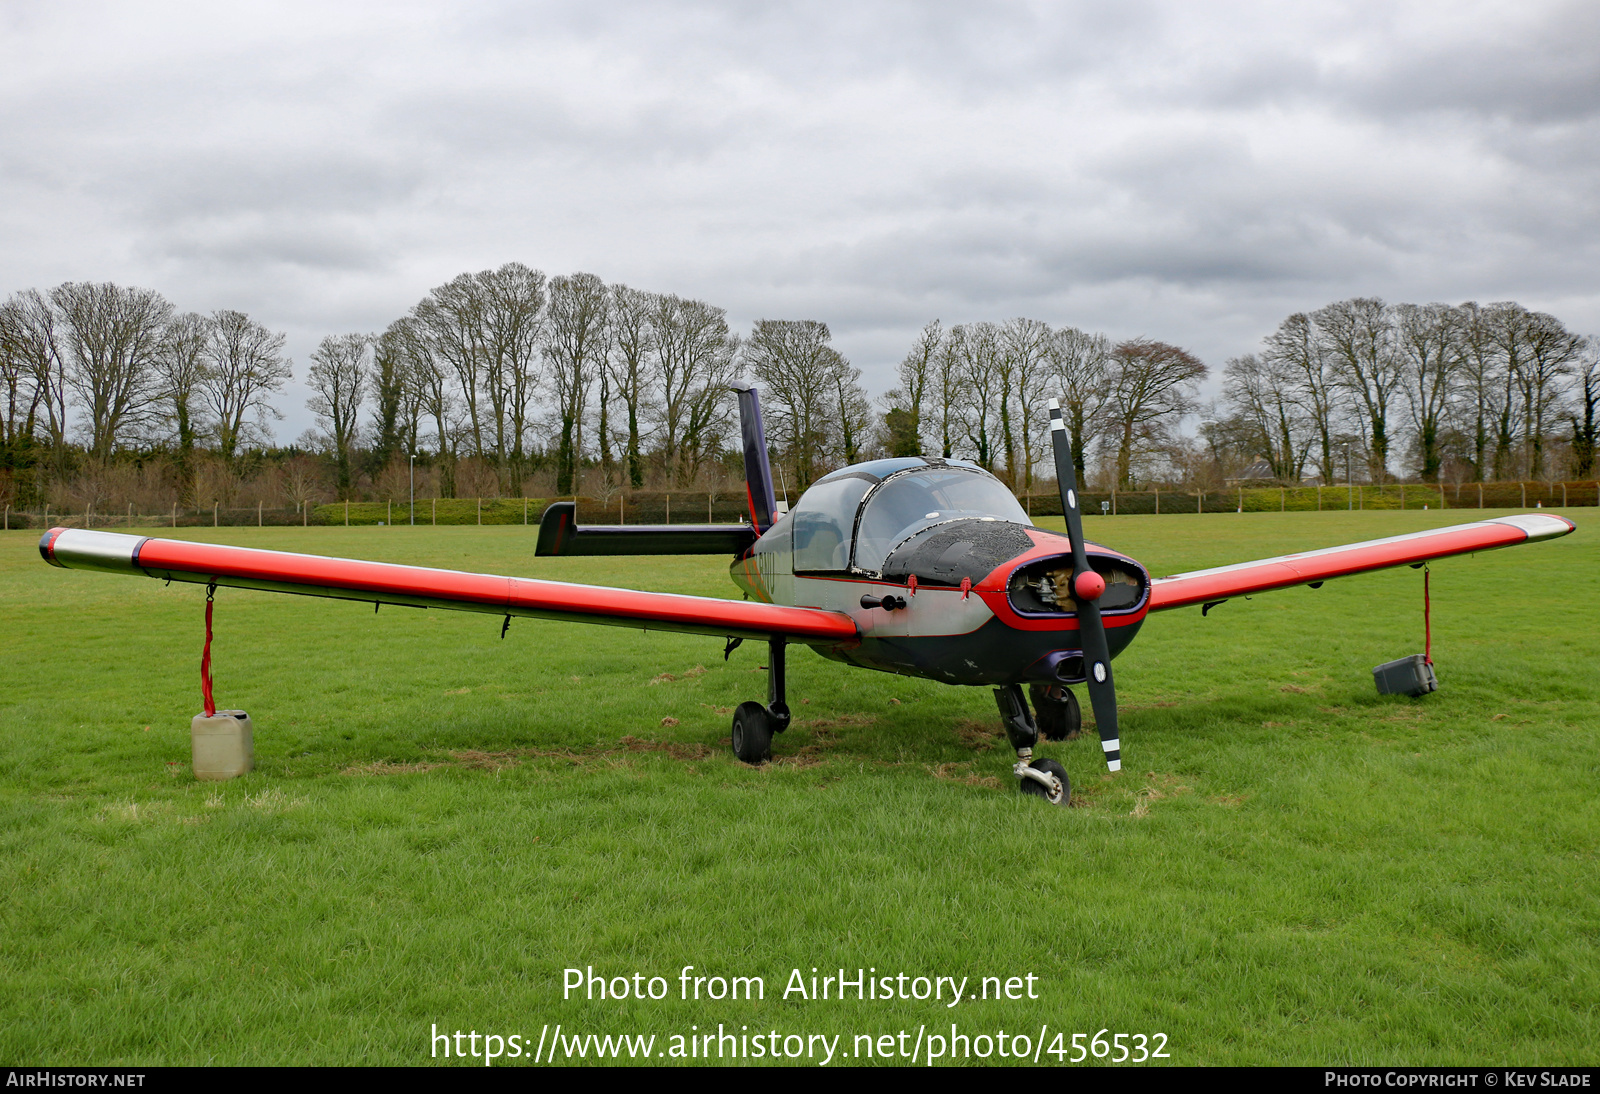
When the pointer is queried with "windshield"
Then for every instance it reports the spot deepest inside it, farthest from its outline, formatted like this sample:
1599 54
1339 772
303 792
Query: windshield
823 519
907 503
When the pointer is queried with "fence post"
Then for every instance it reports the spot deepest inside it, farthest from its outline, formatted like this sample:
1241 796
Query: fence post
8 516
174 514
1480 495
1563 496
480 512
214 507
524 512
1402 497
622 509
305 513
669 508
434 518
390 513
259 503
1200 502
347 512
1524 494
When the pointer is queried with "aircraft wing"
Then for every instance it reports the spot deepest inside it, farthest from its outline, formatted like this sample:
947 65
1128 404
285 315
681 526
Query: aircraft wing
1307 567
421 587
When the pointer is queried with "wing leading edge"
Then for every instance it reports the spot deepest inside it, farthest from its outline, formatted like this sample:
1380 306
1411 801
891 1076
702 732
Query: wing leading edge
422 587
1262 575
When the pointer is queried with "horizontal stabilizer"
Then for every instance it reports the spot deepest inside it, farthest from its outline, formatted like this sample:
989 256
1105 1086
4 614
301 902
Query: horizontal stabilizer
561 534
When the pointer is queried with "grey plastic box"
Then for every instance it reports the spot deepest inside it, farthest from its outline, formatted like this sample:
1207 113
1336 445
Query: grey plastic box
1407 676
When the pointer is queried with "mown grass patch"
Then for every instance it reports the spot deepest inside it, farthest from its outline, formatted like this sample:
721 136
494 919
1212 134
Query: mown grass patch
1291 869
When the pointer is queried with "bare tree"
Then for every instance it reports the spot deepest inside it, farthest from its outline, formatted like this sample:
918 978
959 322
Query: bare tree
1428 344
394 402
25 359
1359 337
1297 353
982 390
1025 357
429 380
916 372
849 405
245 368
1552 351
182 370
694 355
339 379
1153 387
1511 327
1079 375
632 335
1586 422
576 348
112 336
514 323
947 375
448 328
790 358
1480 367
1258 388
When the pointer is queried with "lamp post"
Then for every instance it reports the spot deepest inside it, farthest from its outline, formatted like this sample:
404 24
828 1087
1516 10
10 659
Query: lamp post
413 489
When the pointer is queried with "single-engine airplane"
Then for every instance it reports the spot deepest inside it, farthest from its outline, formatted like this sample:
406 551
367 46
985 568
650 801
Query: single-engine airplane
919 566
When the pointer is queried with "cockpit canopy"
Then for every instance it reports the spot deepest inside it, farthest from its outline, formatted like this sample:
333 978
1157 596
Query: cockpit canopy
853 519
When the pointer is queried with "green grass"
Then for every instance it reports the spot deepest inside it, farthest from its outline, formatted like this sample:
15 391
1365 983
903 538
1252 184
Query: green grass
1291 869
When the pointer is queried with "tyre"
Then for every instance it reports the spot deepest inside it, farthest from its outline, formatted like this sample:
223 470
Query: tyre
1056 711
752 733
1039 791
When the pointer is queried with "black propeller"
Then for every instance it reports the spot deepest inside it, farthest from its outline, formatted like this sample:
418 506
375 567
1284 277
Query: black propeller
1087 586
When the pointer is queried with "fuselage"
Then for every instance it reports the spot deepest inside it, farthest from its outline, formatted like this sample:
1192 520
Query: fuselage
979 582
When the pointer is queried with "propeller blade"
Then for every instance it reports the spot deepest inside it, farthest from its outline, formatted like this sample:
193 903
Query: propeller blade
1086 589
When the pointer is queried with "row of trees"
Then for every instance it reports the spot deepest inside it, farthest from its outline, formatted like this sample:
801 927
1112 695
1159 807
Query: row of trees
979 390
1467 393
505 369
94 370
518 370
595 388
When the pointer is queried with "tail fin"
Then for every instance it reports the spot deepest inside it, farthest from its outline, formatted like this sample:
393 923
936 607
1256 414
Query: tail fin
757 471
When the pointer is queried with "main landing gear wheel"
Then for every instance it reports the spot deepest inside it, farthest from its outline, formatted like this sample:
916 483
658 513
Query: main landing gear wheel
1056 710
1061 796
752 733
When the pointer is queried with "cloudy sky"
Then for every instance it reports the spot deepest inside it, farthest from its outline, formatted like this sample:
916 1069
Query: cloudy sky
1188 171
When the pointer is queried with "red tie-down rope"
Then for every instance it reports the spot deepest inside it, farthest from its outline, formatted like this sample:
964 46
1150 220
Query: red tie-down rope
1427 621
205 658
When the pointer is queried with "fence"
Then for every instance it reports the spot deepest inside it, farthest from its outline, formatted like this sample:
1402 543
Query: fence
643 507
1305 499
696 507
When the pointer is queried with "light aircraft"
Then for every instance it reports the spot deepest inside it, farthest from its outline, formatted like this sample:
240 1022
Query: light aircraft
919 566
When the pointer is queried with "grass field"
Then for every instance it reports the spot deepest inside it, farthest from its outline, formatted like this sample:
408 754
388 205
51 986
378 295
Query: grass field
1291 869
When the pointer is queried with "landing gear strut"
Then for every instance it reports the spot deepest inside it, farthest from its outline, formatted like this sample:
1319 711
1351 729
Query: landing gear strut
1044 778
754 724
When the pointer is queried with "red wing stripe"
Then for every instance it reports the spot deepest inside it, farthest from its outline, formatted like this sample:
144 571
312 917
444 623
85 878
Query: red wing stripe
1265 574
354 579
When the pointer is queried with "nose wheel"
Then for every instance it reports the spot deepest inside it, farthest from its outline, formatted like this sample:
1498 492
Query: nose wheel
754 724
1046 779
1058 794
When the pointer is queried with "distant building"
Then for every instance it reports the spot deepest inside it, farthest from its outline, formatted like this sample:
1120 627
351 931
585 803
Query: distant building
1260 471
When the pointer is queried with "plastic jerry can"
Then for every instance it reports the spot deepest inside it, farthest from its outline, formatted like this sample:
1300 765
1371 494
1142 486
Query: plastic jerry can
223 745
